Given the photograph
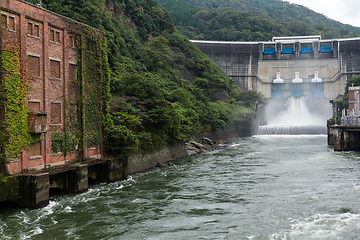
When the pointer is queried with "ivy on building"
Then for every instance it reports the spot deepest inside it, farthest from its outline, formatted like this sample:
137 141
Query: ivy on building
14 83
86 116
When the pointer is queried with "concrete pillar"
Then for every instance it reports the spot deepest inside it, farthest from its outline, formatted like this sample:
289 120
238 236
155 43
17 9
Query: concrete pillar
316 49
34 190
354 140
78 179
346 139
338 139
297 50
260 50
71 181
109 171
9 189
335 48
330 136
278 50
116 170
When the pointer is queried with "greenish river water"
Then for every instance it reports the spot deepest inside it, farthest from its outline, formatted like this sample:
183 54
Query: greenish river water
262 187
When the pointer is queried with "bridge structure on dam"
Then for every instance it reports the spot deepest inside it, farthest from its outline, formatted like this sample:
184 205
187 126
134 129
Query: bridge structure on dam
303 66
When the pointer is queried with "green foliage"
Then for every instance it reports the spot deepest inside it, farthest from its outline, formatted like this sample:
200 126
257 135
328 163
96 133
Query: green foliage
244 20
121 141
64 141
246 98
3 136
15 89
158 79
95 87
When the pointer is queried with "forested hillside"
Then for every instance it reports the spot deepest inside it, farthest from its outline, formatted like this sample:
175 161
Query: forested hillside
163 88
249 20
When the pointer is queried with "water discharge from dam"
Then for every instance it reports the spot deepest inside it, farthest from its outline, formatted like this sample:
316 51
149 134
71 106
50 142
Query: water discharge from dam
296 116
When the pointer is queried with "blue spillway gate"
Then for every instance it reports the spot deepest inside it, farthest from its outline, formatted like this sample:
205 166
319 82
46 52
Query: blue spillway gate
287 51
277 90
317 90
297 90
306 50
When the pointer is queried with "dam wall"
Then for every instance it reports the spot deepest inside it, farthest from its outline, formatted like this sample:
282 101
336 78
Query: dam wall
303 67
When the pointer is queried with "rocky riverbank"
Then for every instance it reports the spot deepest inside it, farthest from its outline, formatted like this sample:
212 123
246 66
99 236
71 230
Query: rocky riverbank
199 145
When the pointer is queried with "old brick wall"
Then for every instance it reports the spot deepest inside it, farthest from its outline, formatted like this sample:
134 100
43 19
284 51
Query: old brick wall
49 49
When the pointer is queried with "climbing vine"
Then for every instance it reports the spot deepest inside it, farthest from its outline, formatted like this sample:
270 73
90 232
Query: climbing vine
3 136
96 87
64 141
14 81
85 123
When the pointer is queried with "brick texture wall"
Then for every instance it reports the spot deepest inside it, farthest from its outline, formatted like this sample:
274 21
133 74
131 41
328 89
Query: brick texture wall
48 47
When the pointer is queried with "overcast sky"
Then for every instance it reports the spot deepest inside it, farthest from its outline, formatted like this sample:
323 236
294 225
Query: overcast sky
345 11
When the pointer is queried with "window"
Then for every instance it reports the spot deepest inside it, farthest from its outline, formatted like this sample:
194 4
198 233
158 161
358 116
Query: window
55 113
54 69
55 36
30 29
35 149
36 31
33 29
71 41
11 23
72 72
33 64
72 83
34 105
52 35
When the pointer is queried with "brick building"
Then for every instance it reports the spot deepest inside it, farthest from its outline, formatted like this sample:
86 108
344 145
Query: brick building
354 98
49 48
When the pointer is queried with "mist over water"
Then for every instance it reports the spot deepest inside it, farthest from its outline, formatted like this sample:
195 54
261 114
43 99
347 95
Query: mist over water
296 116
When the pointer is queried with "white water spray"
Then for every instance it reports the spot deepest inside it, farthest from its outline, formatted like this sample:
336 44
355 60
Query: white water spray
294 117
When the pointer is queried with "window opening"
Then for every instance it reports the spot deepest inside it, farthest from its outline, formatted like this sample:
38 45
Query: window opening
55 113
54 69
11 23
52 35
33 66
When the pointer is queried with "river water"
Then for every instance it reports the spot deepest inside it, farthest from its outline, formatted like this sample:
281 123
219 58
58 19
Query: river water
261 187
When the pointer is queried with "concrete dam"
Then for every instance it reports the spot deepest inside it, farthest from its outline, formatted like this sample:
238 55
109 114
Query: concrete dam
296 75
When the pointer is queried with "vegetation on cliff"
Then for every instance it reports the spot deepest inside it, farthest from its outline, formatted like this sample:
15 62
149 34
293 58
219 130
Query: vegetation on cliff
244 20
163 88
